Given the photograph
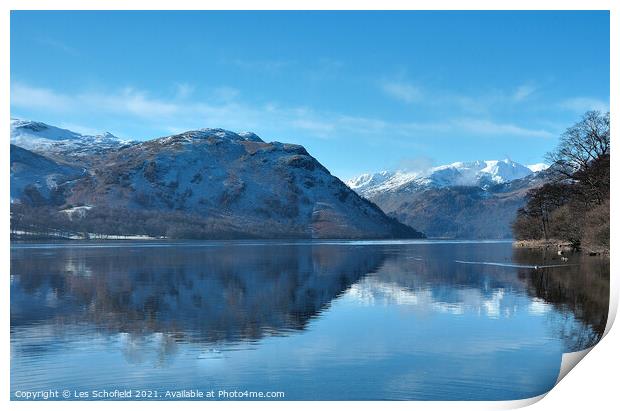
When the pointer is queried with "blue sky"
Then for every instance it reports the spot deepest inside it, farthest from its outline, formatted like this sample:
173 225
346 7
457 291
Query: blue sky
362 91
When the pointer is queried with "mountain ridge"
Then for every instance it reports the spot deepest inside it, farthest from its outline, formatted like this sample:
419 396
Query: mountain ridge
465 200
481 173
221 183
61 144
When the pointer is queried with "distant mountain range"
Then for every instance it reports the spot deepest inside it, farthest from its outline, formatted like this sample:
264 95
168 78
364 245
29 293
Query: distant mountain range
475 173
211 183
471 200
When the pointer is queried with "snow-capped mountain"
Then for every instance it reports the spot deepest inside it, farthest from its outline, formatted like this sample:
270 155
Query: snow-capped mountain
475 173
60 143
538 167
207 183
477 199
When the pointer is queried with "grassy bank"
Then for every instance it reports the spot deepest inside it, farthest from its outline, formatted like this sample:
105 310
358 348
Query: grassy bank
560 245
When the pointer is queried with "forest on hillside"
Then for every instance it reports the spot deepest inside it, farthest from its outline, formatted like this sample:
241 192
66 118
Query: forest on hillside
574 206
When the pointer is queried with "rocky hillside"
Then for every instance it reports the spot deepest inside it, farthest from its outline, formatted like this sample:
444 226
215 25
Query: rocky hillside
213 183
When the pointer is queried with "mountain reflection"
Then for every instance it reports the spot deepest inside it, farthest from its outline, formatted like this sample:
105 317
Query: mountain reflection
432 281
197 294
242 292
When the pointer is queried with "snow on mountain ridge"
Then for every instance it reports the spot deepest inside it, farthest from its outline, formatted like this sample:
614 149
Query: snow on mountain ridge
473 173
369 179
538 167
205 133
45 139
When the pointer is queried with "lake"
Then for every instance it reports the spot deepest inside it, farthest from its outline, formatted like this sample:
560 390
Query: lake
324 320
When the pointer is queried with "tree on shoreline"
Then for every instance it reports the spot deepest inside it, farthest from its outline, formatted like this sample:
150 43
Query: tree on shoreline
574 206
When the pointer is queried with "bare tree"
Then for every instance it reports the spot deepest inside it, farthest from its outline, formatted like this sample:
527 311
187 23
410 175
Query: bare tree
581 144
575 206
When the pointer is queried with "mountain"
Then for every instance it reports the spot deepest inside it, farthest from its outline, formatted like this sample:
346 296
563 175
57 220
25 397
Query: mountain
208 183
474 173
473 200
37 180
61 144
538 167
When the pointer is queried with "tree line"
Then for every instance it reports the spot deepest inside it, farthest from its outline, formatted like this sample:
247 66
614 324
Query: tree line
573 206
46 221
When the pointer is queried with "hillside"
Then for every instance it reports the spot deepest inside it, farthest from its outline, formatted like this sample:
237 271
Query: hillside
38 180
213 183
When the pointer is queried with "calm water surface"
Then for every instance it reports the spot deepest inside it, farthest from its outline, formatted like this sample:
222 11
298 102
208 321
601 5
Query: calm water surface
316 320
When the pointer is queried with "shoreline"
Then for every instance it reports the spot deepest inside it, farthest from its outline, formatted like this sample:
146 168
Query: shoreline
560 245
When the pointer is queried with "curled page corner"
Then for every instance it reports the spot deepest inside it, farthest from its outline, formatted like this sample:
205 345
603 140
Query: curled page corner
526 402
613 307
569 361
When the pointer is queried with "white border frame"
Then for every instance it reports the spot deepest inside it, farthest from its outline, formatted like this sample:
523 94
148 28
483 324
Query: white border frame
593 385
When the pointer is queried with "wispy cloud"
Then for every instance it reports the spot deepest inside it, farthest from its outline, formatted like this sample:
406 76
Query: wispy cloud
79 128
226 93
480 102
523 92
225 110
124 101
263 65
183 90
582 104
130 100
401 90
58 45
488 127
23 95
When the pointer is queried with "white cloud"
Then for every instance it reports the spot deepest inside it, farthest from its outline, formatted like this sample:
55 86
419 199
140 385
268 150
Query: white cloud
184 90
59 45
481 102
127 100
79 128
266 65
402 91
39 98
523 92
227 111
487 127
582 104
226 93
321 128
136 102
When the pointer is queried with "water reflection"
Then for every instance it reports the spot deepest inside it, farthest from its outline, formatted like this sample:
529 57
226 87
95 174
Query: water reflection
580 289
401 320
190 293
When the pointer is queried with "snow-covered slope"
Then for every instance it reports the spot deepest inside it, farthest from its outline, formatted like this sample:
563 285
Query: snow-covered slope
61 144
477 199
234 184
475 173
538 167
37 180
